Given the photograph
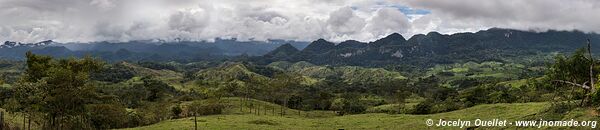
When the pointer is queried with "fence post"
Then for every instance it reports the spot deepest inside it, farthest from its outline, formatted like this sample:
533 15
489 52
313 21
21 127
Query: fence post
195 122
24 120
29 122
1 119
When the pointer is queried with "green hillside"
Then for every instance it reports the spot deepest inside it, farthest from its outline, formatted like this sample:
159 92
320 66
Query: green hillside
240 94
350 74
514 111
229 71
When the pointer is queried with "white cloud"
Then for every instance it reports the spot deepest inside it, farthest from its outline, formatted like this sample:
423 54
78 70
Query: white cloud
388 20
343 21
192 20
104 4
472 15
307 20
116 20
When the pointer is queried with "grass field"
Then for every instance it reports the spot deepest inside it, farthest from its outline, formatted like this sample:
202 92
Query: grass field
15 119
233 118
509 112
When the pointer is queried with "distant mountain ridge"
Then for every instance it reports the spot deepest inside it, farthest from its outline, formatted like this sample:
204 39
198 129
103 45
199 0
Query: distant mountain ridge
494 44
11 44
421 50
146 50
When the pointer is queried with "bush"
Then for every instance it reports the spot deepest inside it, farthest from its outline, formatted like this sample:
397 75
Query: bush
263 122
392 109
595 99
107 116
153 112
349 103
561 107
446 106
372 101
208 107
176 111
556 111
423 107
5 94
354 108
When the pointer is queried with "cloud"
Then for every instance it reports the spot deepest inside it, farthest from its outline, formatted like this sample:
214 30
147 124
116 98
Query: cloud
344 21
115 20
104 4
193 20
305 20
473 15
388 20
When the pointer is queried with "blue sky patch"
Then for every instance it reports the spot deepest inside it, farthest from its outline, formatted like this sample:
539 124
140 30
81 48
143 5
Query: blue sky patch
408 10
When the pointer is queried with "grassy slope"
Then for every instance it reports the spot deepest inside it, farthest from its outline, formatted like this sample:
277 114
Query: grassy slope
362 121
168 76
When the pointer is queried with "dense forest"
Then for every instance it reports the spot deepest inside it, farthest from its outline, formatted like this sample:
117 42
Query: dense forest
426 74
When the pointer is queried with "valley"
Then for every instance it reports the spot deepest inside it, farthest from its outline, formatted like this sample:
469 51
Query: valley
390 83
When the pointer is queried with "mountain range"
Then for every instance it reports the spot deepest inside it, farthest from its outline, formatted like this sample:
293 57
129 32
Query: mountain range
147 50
434 48
420 50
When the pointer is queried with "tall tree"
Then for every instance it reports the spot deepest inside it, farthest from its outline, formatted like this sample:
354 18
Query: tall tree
284 85
56 90
577 71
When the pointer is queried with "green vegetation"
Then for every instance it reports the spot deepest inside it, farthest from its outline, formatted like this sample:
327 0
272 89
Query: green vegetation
86 93
361 121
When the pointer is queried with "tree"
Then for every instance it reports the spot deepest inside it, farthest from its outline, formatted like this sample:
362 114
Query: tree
156 89
283 85
353 104
400 97
56 90
348 103
207 107
577 71
337 105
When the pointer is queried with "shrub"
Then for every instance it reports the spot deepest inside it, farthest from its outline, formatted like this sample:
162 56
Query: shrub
153 112
263 122
423 107
176 111
107 116
556 111
372 101
595 99
446 106
349 103
354 108
208 107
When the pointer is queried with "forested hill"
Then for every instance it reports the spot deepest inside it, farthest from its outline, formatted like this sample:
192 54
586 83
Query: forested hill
146 50
425 50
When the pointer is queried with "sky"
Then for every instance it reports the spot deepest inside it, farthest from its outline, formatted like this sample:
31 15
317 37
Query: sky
301 20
